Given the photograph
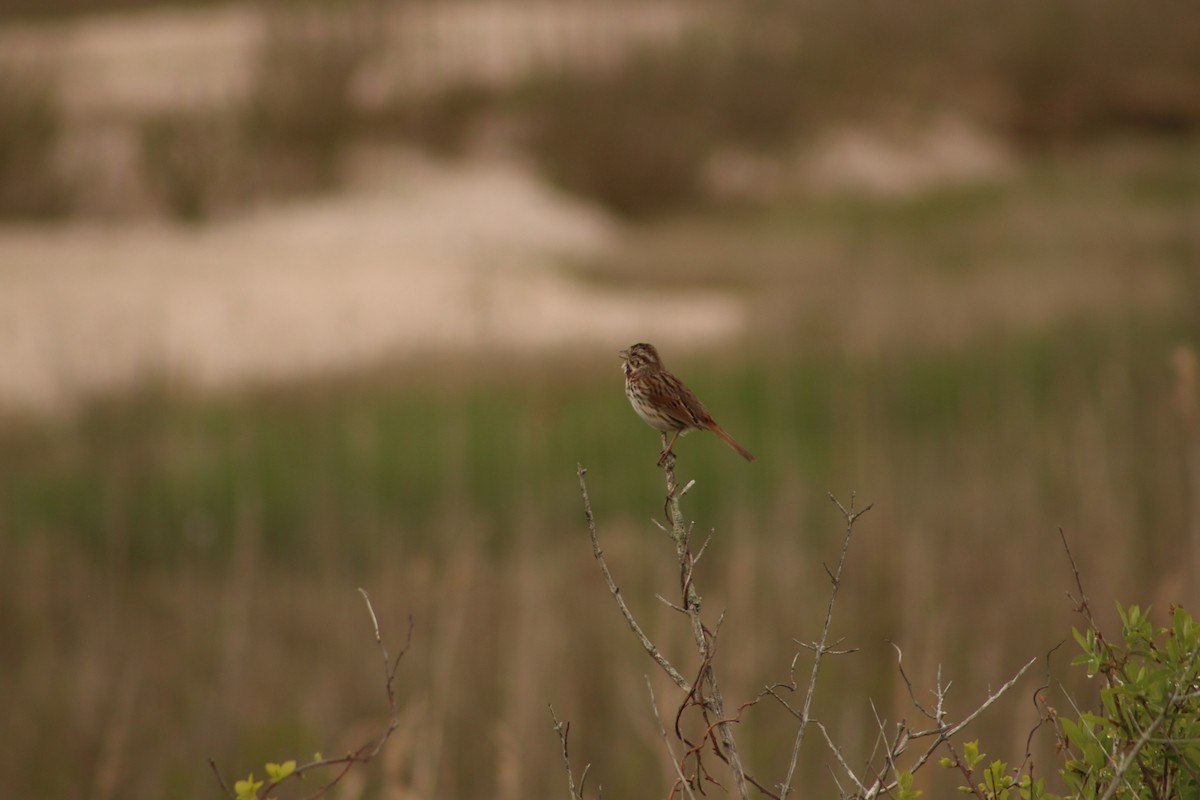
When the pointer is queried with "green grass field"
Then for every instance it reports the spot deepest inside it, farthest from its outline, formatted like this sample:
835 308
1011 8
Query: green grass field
340 471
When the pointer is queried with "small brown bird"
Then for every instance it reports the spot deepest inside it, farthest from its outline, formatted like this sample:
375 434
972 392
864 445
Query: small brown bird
664 402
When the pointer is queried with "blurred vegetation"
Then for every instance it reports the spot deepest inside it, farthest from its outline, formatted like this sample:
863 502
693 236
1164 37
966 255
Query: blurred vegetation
635 140
192 163
776 73
289 135
50 9
459 503
640 136
326 474
300 114
187 565
31 123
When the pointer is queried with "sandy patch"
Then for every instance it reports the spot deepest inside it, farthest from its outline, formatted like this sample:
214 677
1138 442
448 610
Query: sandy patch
880 162
944 152
425 259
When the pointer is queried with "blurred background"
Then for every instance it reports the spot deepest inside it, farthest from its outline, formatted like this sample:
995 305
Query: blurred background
298 297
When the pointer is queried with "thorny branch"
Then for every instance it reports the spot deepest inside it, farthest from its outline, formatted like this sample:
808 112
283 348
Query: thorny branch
704 693
896 744
944 731
361 755
822 646
941 733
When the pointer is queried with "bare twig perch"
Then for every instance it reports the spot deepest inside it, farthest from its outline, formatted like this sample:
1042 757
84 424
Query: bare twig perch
705 692
710 697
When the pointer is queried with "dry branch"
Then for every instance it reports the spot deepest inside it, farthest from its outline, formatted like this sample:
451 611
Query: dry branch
647 645
941 733
563 729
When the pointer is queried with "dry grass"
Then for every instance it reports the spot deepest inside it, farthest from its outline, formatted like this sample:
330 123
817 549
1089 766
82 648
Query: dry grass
631 110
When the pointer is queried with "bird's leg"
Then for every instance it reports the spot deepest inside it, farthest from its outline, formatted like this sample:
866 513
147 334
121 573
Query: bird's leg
667 451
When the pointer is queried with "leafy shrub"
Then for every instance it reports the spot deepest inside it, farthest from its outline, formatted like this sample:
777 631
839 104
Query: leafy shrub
1142 742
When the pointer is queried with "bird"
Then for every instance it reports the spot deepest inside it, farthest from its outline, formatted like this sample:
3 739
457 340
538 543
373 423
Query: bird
664 402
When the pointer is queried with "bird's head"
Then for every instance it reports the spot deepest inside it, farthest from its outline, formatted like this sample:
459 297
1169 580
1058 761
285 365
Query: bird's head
638 357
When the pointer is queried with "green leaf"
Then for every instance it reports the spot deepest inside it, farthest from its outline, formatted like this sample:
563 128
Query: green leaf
995 781
1032 790
1183 625
247 789
1072 731
905 781
948 763
278 772
971 754
1095 755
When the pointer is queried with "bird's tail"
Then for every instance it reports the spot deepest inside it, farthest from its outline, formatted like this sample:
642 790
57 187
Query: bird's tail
729 440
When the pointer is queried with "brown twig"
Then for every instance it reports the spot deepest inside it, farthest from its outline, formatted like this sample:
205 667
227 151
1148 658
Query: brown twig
225 790
563 729
1081 603
1045 715
912 695
680 779
389 670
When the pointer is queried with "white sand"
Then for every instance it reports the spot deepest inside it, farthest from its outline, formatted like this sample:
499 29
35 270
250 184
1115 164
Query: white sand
424 259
